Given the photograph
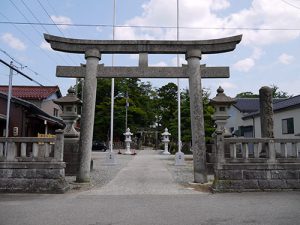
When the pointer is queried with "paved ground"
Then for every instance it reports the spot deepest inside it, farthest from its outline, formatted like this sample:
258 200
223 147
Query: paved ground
142 194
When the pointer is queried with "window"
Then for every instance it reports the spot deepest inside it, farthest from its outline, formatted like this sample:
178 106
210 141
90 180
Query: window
288 126
55 112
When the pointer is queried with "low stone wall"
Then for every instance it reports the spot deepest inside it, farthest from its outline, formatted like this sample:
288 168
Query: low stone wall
257 177
256 164
33 177
29 164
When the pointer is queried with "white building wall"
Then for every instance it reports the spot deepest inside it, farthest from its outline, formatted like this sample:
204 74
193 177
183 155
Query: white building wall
235 118
278 117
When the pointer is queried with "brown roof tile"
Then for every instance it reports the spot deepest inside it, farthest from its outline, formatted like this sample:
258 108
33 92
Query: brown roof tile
32 92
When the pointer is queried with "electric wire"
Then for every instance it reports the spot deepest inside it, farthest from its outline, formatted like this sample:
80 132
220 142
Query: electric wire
290 4
19 72
16 7
153 27
22 66
55 26
34 16
29 39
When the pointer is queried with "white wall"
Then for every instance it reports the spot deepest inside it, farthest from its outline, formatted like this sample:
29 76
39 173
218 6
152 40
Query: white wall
278 116
235 118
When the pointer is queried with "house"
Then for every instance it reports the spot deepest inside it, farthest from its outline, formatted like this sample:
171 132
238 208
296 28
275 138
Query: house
41 96
26 119
245 117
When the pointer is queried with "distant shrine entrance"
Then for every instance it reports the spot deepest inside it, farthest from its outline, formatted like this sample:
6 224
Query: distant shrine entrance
93 49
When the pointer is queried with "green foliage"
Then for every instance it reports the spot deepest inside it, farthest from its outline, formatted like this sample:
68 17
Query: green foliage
149 108
247 94
275 92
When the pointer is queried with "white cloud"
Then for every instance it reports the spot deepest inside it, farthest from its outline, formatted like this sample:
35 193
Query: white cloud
257 53
244 65
13 42
228 85
99 29
181 61
62 20
45 45
285 59
248 63
194 13
159 64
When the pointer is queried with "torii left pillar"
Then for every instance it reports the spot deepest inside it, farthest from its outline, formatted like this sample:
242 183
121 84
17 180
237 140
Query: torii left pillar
92 57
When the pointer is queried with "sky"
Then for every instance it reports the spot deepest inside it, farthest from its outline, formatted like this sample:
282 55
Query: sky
267 55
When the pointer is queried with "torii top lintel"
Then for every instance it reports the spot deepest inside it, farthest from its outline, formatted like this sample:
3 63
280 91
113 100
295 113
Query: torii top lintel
142 46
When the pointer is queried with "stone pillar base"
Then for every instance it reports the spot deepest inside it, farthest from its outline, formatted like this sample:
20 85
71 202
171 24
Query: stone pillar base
179 159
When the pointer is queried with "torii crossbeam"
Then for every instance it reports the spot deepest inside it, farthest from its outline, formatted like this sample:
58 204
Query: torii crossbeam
193 51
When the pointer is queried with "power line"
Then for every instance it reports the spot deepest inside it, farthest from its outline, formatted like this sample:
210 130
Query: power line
12 58
34 15
151 27
23 66
56 27
297 7
50 17
28 38
18 71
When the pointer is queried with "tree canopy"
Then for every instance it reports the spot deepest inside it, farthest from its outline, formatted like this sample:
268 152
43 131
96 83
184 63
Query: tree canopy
149 109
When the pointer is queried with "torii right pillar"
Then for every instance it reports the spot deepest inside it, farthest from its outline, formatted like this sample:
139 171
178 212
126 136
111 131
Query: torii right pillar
197 119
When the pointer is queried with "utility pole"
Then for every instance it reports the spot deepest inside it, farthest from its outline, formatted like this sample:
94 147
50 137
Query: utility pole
126 111
8 105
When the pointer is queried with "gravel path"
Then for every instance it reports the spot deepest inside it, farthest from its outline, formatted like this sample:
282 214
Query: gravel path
102 174
146 174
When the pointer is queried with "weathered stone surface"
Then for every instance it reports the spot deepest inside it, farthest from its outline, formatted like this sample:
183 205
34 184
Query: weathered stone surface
141 72
293 184
230 174
88 113
285 174
266 112
142 46
250 184
255 174
277 184
71 155
33 185
197 119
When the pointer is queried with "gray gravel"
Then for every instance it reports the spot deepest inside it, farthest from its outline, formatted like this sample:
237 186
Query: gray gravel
101 173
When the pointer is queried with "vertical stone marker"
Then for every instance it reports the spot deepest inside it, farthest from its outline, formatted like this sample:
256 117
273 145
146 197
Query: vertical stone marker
92 57
266 112
197 121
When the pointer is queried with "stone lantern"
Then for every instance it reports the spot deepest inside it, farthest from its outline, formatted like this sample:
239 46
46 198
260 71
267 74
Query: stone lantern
128 140
166 140
221 103
69 114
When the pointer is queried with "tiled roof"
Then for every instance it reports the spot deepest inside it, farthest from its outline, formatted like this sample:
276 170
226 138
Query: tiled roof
250 105
290 102
279 104
32 92
247 105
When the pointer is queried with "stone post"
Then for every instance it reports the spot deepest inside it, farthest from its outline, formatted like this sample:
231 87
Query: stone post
92 57
266 118
59 145
266 112
197 120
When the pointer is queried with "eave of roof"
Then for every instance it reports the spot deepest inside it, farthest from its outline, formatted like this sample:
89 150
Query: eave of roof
33 108
32 92
280 105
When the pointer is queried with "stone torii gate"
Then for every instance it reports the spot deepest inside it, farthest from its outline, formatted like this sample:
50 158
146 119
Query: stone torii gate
193 51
